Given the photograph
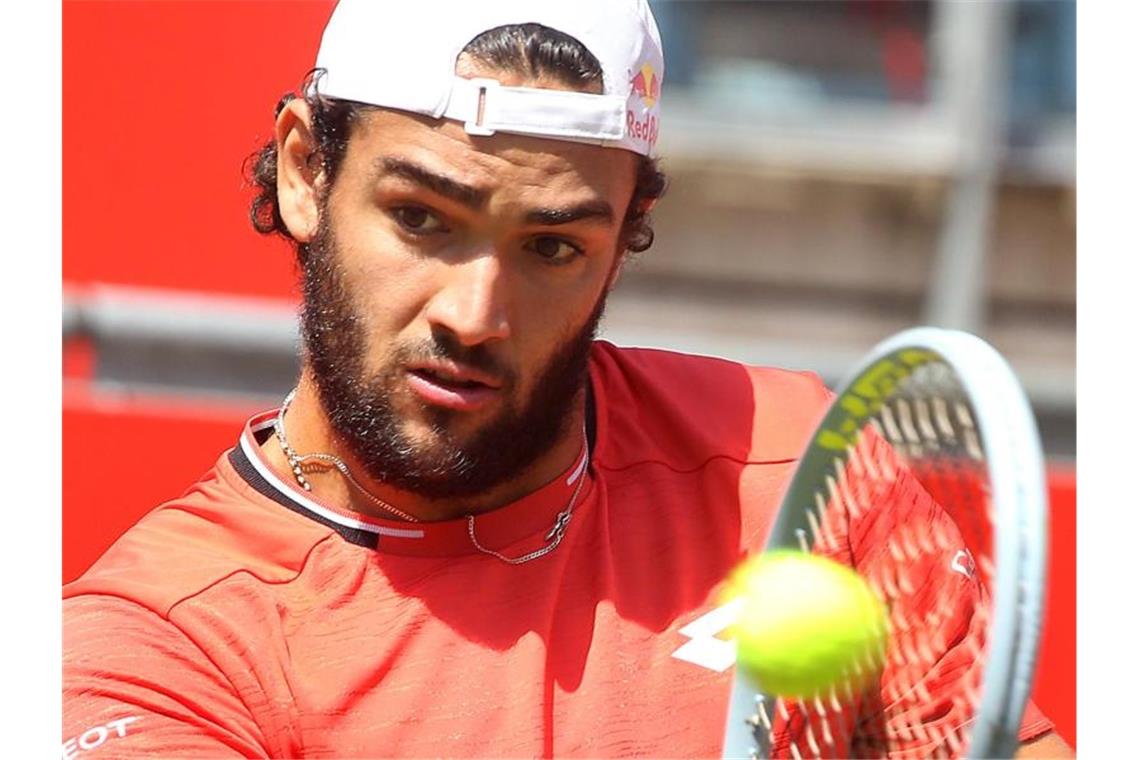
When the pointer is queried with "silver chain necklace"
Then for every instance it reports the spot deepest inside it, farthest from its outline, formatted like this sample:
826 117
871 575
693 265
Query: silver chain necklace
296 460
553 537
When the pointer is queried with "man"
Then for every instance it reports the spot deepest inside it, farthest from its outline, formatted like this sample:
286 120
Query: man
472 529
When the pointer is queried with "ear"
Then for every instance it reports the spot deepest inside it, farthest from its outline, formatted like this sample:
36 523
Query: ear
615 270
298 171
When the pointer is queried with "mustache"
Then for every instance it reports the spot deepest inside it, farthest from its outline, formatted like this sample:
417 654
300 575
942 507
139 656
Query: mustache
446 346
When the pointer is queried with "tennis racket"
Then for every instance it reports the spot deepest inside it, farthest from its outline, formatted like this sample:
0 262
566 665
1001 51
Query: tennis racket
926 475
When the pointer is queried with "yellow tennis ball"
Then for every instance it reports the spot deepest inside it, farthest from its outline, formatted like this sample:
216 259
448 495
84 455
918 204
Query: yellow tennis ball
806 624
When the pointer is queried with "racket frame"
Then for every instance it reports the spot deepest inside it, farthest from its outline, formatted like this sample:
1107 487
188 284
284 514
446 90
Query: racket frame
1008 434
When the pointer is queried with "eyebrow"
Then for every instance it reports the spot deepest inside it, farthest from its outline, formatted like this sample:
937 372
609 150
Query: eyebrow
475 198
596 211
469 196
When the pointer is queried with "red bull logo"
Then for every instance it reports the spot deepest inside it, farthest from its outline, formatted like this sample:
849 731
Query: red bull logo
647 85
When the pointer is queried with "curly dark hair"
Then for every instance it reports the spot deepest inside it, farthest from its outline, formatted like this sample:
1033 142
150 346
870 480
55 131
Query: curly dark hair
529 49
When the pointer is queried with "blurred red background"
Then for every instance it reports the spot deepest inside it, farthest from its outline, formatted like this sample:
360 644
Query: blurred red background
162 102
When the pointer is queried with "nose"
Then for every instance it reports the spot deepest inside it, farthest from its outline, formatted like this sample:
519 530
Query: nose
472 302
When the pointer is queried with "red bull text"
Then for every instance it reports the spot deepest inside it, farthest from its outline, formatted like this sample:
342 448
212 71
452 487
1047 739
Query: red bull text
647 85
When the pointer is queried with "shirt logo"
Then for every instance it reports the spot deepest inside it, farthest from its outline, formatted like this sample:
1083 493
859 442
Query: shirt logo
963 563
96 736
704 647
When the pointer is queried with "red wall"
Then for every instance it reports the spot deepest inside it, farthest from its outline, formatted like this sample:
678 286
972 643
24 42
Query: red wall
162 103
1055 689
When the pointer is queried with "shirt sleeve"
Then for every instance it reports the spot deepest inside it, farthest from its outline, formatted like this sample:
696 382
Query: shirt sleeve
134 686
884 523
1034 724
917 554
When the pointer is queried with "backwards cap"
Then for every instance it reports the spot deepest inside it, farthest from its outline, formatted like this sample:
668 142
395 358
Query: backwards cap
401 54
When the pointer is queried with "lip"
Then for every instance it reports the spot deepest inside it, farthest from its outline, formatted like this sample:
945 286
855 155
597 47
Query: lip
442 384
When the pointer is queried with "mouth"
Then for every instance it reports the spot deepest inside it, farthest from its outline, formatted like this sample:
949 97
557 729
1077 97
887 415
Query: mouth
452 386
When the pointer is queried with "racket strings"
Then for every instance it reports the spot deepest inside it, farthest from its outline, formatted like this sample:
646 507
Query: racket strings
915 479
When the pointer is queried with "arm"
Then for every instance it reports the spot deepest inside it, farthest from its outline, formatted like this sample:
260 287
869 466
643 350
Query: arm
135 686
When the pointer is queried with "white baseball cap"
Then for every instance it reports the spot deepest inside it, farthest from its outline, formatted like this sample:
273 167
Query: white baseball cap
402 53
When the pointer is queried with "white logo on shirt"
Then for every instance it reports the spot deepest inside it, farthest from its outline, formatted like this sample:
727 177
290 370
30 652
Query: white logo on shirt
96 736
963 563
705 648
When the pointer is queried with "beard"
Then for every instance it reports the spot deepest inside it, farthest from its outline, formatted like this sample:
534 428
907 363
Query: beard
359 403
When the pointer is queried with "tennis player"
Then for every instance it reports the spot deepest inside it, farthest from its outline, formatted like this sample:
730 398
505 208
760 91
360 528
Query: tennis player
472 529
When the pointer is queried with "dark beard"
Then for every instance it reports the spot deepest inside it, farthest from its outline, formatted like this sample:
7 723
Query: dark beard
360 410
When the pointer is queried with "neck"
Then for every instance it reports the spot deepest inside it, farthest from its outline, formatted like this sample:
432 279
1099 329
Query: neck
309 432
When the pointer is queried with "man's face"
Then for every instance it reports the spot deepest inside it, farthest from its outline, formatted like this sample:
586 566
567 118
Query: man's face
451 295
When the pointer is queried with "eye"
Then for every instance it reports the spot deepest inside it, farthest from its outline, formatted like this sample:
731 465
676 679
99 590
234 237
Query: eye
555 250
417 220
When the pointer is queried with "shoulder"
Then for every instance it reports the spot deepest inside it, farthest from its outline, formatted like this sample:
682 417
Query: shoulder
689 408
218 528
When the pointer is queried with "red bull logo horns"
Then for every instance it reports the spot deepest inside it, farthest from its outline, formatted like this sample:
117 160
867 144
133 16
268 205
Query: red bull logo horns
647 85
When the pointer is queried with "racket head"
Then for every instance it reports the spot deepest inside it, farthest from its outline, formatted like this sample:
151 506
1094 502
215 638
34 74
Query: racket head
954 416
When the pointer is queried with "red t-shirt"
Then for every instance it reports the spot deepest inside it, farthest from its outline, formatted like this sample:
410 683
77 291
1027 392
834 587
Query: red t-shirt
249 619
